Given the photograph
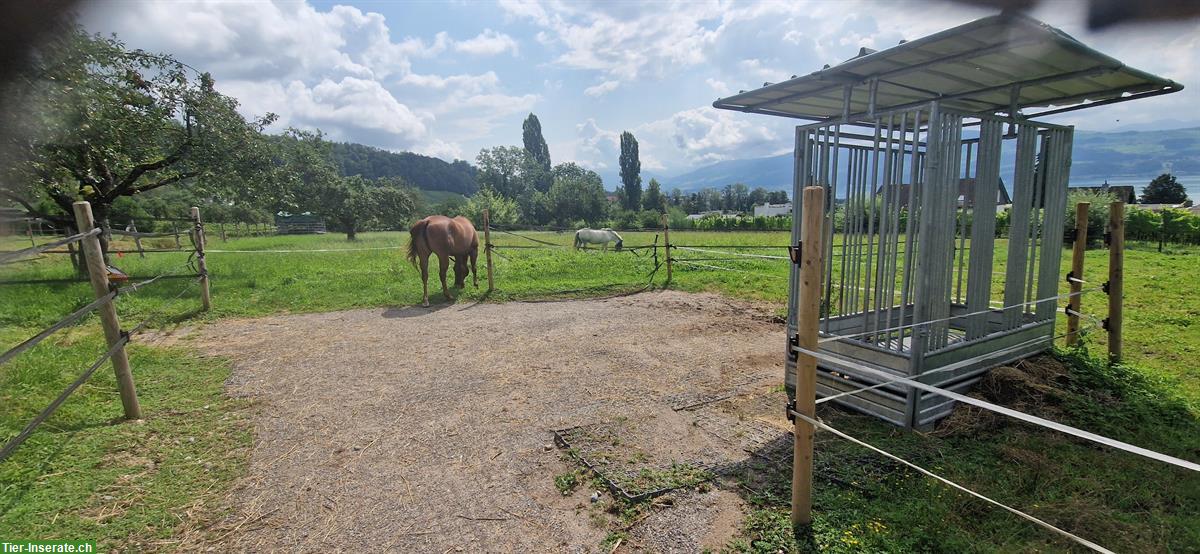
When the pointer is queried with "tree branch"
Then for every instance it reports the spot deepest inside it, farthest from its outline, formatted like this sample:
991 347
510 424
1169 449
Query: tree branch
126 184
32 211
164 182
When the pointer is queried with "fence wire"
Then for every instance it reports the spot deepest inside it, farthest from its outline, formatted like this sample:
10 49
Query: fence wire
17 255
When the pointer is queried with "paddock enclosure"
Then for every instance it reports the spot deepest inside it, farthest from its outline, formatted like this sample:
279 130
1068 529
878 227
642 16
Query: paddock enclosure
394 429
913 143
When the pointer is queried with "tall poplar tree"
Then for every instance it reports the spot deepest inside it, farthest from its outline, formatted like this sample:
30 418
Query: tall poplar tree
538 152
631 171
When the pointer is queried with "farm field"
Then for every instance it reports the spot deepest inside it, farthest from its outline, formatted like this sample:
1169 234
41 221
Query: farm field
81 476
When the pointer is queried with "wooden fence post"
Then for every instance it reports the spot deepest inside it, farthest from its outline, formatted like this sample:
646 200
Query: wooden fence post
808 319
487 247
137 240
175 229
98 275
667 246
1075 278
223 239
29 231
1116 278
201 263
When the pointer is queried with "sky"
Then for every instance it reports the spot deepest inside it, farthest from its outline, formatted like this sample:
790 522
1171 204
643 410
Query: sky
449 78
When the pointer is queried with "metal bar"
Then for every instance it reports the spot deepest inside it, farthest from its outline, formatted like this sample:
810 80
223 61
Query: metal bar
911 225
871 198
1035 220
884 221
1018 250
1056 205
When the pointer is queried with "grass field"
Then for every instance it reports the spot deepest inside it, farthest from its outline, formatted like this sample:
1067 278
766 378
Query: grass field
82 475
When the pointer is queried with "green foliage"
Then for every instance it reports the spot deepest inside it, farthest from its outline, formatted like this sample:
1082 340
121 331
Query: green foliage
1097 214
735 197
450 207
422 172
99 122
577 195
1180 226
653 199
1164 189
503 170
566 482
1142 224
625 219
501 210
765 532
631 171
677 218
354 204
1003 222
538 152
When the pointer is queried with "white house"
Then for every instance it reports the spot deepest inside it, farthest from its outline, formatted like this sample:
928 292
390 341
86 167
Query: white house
769 210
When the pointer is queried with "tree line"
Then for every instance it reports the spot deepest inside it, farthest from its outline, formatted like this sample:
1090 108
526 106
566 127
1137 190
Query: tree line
520 184
138 134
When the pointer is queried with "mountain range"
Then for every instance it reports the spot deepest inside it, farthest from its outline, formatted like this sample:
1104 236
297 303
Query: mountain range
1126 156
1123 157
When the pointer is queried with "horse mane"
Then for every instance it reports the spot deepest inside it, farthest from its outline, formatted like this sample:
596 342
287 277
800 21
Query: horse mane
416 232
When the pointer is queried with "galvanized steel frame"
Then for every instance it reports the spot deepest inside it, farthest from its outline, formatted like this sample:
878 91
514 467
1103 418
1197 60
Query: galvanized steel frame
904 256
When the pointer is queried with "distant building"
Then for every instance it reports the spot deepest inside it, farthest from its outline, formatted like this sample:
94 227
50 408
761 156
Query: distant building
771 210
1124 193
1161 207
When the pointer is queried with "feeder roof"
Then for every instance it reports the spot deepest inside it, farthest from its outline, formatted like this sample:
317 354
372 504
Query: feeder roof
1001 63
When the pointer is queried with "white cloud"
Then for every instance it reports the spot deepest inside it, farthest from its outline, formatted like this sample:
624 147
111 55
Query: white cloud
707 135
596 148
488 43
339 70
718 86
602 88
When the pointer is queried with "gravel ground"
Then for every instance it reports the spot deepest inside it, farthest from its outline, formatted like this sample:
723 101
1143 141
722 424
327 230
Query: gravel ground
429 429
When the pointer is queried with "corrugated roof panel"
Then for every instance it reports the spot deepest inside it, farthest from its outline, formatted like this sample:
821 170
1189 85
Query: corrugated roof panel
972 67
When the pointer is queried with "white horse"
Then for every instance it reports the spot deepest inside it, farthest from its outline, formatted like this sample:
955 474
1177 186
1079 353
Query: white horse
585 236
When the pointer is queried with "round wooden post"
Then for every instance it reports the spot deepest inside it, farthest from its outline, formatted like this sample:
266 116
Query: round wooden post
487 247
1075 279
201 263
98 275
175 230
29 231
667 245
808 318
223 239
1116 277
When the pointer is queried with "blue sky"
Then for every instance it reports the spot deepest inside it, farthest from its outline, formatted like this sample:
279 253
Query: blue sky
450 78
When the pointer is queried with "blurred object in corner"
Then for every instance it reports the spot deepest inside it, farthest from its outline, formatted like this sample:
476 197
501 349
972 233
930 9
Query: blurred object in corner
22 25
1106 13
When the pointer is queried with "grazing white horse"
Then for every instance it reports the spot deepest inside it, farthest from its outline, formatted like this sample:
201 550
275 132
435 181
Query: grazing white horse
585 236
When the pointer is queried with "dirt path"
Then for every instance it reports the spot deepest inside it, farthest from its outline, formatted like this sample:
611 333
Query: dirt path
429 429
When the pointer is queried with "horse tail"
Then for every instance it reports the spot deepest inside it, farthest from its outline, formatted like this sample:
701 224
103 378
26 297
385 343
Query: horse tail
417 232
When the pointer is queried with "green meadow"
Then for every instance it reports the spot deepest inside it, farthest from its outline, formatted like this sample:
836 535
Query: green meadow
84 474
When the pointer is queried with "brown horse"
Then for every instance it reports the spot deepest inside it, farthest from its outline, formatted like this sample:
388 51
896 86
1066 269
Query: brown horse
448 238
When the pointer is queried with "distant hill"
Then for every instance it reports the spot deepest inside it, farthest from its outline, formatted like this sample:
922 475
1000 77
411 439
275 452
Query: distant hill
423 172
1126 156
772 173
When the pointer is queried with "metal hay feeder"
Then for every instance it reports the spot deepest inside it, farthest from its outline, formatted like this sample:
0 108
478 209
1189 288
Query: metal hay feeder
910 144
